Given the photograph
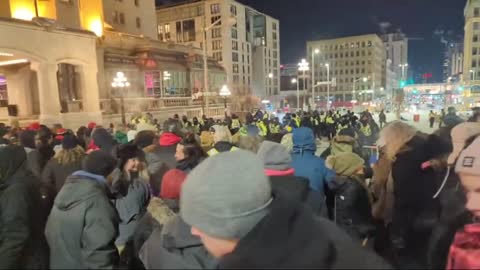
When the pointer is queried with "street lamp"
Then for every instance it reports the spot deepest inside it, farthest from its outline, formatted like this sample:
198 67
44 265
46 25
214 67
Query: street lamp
230 22
303 66
225 93
315 51
328 86
298 92
364 79
120 82
403 66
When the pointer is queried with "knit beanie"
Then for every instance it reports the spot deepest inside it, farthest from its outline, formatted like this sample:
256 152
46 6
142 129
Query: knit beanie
128 151
345 164
172 182
274 156
469 160
69 142
99 163
227 195
460 134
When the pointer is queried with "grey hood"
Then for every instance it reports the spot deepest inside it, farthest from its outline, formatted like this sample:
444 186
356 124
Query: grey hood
76 190
274 156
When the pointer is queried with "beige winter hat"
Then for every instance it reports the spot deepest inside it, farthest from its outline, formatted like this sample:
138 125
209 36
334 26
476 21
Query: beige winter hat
460 134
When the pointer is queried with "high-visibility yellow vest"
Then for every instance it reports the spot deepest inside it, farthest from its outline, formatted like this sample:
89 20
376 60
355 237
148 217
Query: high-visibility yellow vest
274 128
366 130
329 120
298 121
196 128
315 121
236 123
263 129
214 151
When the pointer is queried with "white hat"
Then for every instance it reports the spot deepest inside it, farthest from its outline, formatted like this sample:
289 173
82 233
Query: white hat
469 160
460 134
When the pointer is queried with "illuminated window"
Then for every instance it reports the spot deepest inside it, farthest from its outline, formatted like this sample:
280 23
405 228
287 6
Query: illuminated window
215 8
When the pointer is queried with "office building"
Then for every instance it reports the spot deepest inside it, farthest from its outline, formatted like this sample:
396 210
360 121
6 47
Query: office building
453 62
356 63
471 52
245 41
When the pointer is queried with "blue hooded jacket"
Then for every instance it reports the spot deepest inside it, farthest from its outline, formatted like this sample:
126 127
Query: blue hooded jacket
306 164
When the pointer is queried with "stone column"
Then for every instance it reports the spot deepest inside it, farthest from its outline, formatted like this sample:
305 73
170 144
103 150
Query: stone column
48 93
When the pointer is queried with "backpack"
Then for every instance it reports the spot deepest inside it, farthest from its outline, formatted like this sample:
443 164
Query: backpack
465 249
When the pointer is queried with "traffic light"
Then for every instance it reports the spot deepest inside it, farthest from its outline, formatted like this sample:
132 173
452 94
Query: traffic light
461 88
402 84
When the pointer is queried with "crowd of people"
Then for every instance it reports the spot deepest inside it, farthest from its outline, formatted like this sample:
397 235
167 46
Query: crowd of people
253 191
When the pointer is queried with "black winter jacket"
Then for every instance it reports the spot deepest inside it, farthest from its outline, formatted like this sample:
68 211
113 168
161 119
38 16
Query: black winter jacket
415 211
54 174
82 226
353 211
22 219
160 160
291 237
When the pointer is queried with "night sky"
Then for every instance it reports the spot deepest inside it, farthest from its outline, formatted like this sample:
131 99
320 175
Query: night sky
432 20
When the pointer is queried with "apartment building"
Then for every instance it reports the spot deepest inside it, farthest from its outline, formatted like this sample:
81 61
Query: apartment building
356 63
244 41
453 62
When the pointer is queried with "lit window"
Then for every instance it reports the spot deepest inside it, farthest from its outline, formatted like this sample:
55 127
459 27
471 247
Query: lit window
215 8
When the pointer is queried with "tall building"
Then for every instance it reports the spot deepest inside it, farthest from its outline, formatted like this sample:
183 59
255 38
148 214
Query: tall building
453 62
354 61
396 45
245 41
471 52
62 56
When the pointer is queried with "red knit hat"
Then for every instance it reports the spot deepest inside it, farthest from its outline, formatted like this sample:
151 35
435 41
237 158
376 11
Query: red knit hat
92 125
171 184
34 126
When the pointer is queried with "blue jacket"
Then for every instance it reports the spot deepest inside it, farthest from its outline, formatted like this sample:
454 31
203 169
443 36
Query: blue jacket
305 163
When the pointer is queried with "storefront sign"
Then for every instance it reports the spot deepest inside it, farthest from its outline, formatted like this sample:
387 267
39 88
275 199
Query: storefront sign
119 60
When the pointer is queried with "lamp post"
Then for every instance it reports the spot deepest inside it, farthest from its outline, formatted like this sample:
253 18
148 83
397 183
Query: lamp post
225 93
328 85
298 92
314 52
364 79
404 67
230 22
303 66
119 83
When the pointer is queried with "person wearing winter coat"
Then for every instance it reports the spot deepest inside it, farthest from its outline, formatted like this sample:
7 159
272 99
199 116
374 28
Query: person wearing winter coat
22 220
83 224
277 164
63 164
452 198
189 153
131 191
307 165
35 163
104 141
344 142
463 251
222 139
353 211
161 158
171 244
248 226
415 211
